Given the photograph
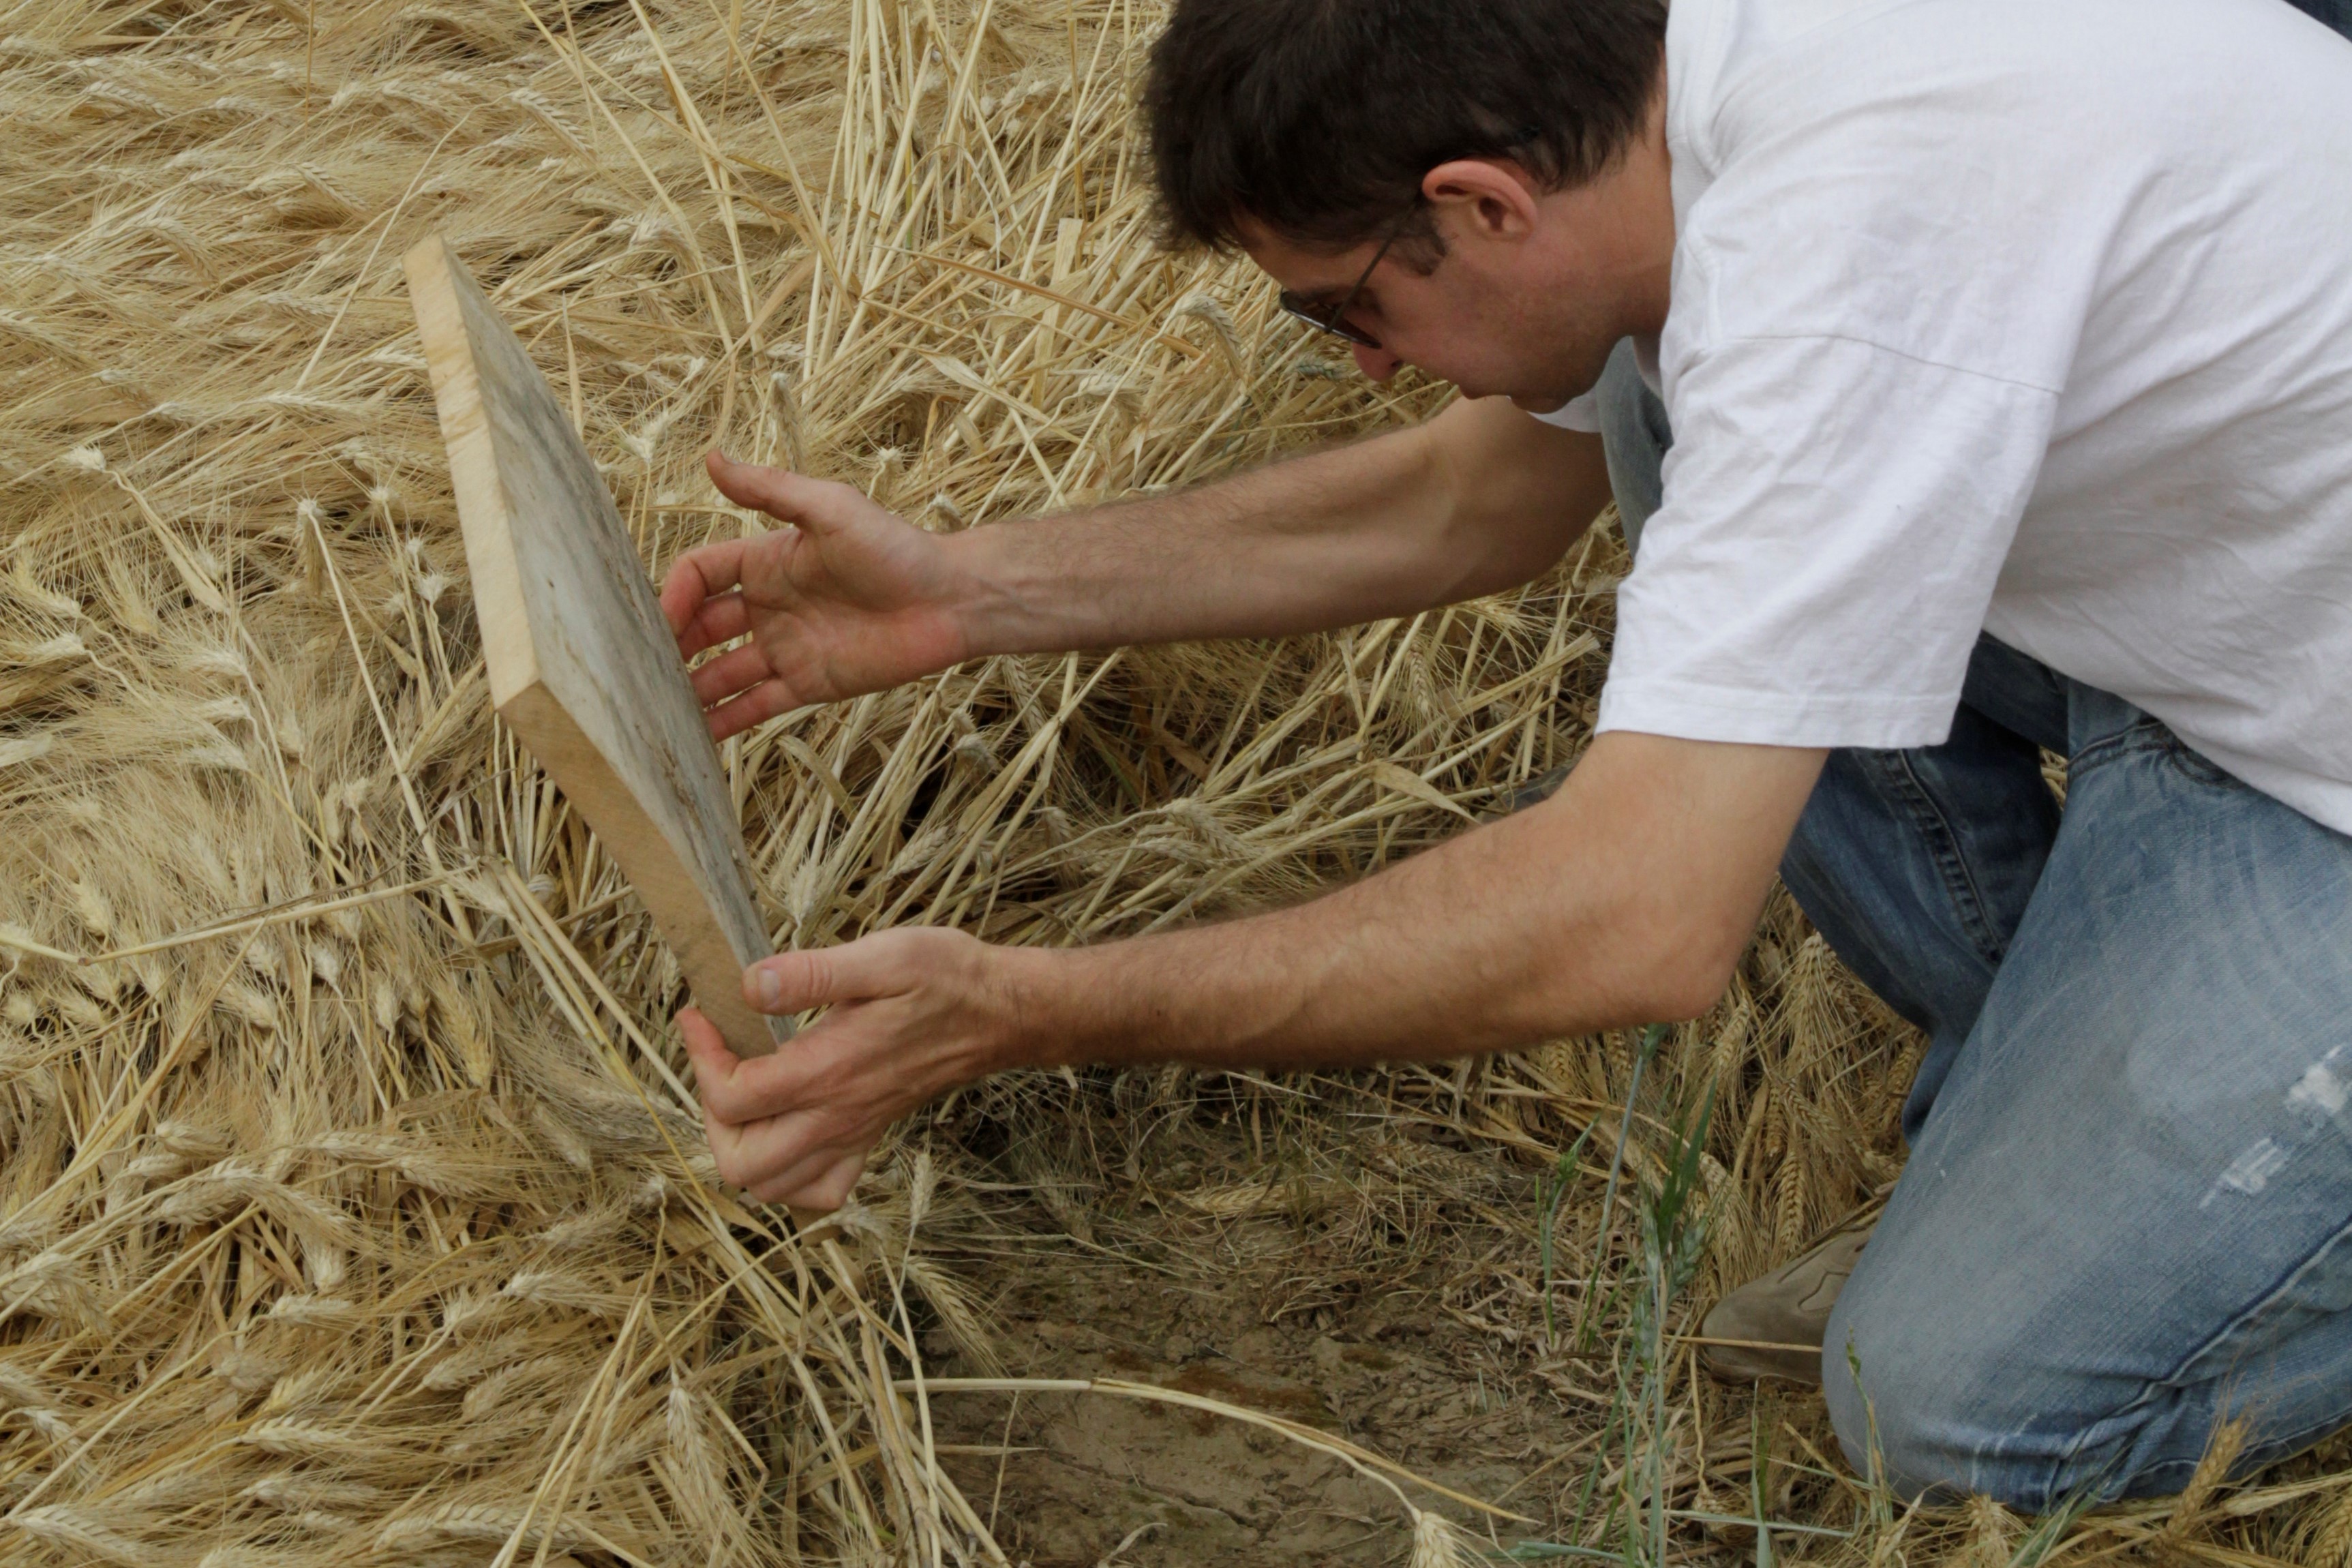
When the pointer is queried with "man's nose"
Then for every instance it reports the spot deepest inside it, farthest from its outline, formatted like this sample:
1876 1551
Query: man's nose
1378 364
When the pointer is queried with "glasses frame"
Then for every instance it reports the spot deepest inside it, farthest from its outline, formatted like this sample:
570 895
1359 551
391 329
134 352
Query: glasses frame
1336 321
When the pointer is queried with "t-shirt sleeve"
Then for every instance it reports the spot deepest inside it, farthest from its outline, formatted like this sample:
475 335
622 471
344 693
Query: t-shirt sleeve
1836 514
1878 294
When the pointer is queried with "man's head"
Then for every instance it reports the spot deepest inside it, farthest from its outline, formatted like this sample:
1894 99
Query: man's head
1512 148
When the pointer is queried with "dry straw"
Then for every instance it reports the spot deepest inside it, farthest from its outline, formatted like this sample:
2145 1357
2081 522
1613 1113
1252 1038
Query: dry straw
352 1208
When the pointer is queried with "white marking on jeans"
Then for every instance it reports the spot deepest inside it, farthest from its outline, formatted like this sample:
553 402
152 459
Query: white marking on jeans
2321 1088
2251 1172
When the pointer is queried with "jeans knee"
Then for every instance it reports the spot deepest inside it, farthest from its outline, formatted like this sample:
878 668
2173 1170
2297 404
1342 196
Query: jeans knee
1918 1396
1879 1421
1935 1411
1900 1422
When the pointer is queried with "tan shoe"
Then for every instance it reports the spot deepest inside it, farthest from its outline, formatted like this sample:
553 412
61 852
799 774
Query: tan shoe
1773 1327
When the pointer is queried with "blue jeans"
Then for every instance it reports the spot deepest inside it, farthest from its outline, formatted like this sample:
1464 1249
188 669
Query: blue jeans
2337 14
2128 1211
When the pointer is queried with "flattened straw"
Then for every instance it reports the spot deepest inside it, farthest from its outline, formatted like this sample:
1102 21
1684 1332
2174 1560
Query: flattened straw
299 910
1361 1460
391 222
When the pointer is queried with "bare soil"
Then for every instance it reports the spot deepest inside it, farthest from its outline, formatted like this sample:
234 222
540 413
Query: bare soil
1089 1471
1386 1290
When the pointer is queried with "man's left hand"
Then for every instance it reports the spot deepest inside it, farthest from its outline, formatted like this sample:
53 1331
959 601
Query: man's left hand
915 1013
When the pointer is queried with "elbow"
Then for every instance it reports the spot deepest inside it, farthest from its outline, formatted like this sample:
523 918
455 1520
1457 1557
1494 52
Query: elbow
1626 984
1495 551
1680 990
1681 967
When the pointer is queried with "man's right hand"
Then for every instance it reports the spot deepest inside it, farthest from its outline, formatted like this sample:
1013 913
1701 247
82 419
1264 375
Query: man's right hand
846 599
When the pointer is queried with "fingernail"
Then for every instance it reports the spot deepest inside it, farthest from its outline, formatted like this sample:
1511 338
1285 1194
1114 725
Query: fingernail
772 990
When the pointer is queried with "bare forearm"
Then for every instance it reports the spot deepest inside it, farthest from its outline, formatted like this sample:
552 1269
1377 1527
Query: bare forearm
1626 898
1422 962
1478 499
1623 901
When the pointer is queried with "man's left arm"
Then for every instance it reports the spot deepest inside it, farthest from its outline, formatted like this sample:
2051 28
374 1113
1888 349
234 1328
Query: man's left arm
1624 899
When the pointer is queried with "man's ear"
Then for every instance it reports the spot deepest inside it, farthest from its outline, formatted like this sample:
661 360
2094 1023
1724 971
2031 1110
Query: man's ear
1491 196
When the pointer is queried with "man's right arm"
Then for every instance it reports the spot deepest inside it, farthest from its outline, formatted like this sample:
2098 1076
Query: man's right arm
851 599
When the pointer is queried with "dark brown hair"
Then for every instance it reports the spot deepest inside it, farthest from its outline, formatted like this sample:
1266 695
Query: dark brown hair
1319 118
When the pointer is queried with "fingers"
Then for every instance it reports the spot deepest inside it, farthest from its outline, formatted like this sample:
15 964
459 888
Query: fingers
715 1065
794 1127
738 670
795 1157
822 1192
772 1138
697 575
790 1161
738 689
722 618
818 505
739 1093
775 1089
757 706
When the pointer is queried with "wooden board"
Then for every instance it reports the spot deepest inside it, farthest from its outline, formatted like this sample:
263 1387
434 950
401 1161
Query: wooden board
581 665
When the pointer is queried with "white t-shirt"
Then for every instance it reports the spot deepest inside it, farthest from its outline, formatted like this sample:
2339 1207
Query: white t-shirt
2027 316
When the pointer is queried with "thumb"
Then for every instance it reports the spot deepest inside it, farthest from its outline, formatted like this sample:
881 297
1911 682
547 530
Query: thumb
796 981
818 506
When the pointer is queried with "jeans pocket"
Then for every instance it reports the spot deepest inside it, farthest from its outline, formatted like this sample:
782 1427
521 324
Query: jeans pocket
2146 733
2195 765
2134 735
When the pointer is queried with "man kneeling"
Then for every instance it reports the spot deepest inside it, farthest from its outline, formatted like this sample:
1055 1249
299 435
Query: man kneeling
1974 378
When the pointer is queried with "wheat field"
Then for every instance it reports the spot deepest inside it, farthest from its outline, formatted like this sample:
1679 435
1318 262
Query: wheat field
353 1207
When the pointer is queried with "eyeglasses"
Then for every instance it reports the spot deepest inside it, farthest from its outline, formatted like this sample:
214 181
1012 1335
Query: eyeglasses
1336 321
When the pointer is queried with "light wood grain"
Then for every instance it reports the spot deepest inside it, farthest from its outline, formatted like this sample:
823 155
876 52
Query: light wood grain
581 665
